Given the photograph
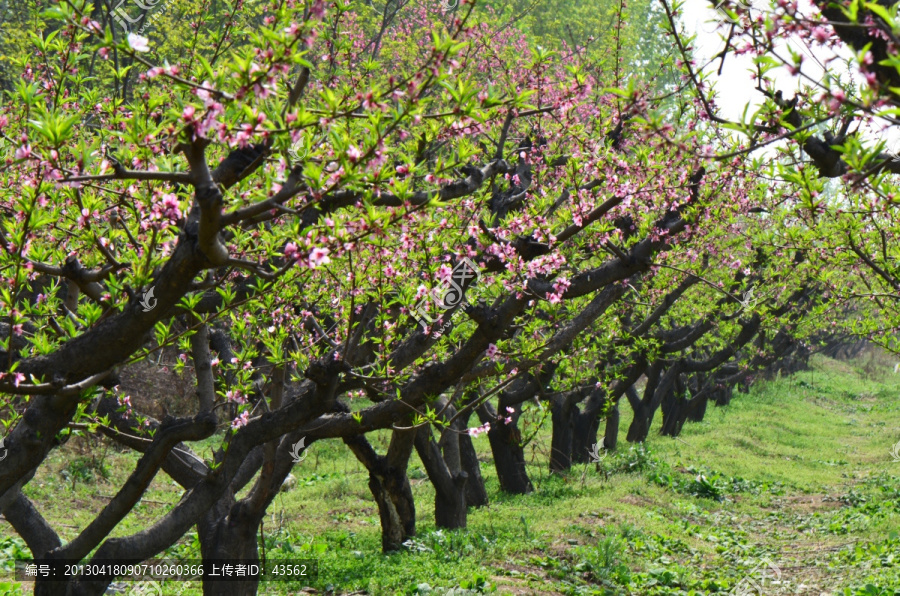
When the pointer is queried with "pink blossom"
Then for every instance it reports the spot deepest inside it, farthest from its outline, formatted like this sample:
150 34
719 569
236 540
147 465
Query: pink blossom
204 94
820 34
240 420
138 43
236 397
168 207
318 256
353 153
474 432
85 217
443 273
291 252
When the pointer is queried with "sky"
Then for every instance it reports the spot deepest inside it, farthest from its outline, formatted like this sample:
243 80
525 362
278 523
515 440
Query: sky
735 87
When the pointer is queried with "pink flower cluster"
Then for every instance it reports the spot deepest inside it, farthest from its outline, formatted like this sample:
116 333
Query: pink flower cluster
166 209
241 420
203 122
16 378
125 402
236 397
474 432
316 257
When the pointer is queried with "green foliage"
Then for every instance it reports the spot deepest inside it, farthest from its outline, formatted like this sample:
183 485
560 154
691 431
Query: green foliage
18 21
477 584
14 549
11 589
357 111
605 561
637 458
563 24
85 469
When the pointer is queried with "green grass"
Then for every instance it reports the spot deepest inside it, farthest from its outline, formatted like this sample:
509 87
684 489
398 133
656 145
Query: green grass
796 474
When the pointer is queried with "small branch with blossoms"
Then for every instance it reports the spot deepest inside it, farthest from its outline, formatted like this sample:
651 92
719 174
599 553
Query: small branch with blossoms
123 174
18 388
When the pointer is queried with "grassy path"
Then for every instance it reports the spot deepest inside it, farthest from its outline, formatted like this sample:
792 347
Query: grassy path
791 488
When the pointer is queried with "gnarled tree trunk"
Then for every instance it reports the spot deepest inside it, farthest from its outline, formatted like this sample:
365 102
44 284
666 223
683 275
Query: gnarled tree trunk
390 486
640 424
232 536
611 432
476 492
509 457
447 477
562 412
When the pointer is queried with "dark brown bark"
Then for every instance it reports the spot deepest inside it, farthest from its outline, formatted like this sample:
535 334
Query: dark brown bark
611 434
587 425
31 526
509 457
476 492
584 434
562 412
640 423
390 487
230 537
449 484
696 407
